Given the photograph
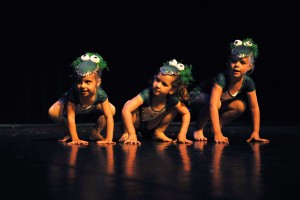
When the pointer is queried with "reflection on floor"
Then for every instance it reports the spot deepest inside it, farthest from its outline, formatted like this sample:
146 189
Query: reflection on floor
35 166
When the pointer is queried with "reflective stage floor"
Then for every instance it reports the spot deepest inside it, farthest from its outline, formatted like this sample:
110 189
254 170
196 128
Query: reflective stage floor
34 165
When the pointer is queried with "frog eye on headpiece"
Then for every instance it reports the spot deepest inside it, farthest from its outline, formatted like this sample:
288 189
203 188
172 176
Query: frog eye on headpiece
85 57
88 64
95 59
172 68
92 58
178 65
244 48
237 43
248 43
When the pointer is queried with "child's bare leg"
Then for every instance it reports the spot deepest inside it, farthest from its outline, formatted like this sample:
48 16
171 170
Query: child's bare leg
202 119
55 114
136 123
228 112
96 135
66 137
100 124
124 137
63 123
165 121
231 111
160 136
199 136
96 131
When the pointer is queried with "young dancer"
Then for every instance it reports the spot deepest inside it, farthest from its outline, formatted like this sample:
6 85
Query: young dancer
83 97
220 98
154 108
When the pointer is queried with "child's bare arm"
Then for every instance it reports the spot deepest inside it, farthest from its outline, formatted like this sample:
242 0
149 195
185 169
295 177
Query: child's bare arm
127 111
214 106
110 123
255 114
186 117
72 125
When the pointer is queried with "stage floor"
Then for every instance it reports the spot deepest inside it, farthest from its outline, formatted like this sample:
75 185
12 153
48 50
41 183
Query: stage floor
36 166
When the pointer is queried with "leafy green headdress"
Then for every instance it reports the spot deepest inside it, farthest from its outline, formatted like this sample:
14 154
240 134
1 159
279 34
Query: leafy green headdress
244 48
174 68
88 64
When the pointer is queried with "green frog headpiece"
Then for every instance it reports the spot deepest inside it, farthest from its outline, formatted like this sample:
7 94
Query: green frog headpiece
88 64
174 68
244 48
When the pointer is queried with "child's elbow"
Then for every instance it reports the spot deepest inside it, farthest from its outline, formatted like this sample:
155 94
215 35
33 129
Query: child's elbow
113 109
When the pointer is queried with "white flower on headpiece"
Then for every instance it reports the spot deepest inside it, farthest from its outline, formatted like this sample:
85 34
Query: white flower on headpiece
179 66
95 59
237 43
85 57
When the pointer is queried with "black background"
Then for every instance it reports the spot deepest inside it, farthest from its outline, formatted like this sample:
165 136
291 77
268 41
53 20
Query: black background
40 40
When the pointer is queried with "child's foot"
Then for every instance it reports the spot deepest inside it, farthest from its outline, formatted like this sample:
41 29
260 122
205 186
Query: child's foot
95 135
198 136
160 136
65 138
124 137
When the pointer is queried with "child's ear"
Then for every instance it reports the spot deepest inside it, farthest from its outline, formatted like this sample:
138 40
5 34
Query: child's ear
98 82
172 91
250 67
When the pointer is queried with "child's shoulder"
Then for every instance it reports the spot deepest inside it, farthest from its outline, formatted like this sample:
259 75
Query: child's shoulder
146 93
173 100
248 78
101 95
100 90
221 76
248 83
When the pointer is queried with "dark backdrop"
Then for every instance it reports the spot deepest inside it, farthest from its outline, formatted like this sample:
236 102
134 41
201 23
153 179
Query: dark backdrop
40 40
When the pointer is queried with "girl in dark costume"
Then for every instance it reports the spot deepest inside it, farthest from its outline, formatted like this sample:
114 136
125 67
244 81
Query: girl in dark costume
83 97
154 108
220 98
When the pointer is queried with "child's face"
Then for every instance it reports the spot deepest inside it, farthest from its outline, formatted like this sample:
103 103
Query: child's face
162 84
87 85
240 66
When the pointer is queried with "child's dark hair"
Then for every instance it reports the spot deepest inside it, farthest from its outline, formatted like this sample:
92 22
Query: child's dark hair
183 80
182 89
